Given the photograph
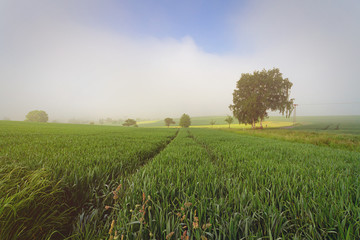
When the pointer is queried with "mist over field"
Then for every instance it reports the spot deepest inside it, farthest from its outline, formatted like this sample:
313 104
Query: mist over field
93 59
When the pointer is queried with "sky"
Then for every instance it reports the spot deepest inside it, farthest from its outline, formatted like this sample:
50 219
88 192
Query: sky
88 59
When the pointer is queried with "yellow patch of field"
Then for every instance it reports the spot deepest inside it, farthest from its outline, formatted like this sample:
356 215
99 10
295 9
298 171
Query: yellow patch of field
147 122
277 124
169 126
267 124
222 126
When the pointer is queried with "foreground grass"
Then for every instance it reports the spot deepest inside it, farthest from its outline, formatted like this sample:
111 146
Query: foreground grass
220 185
168 182
94 182
297 190
31 205
78 166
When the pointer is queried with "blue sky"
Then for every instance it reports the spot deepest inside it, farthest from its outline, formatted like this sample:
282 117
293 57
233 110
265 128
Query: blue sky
152 59
207 22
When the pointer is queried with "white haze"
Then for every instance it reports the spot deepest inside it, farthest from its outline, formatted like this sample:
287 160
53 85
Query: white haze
51 60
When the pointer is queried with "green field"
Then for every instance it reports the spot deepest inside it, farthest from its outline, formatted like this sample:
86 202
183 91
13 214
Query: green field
320 138
322 124
330 124
75 165
107 182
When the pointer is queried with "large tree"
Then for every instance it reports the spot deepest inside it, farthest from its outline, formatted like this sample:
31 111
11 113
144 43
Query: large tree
168 121
259 92
37 116
185 121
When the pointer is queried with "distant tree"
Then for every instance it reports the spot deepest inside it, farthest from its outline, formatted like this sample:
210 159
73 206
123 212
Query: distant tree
130 122
229 120
91 123
168 121
37 116
185 121
212 123
6 119
259 92
101 121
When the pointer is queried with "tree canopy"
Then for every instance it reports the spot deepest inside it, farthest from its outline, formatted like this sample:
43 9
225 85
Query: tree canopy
169 121
259 92
130 122
185 121
37 116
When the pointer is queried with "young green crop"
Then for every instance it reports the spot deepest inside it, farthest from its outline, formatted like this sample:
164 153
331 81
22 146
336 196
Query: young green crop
296 190
242 187
176 178
200 184
31 204
87 160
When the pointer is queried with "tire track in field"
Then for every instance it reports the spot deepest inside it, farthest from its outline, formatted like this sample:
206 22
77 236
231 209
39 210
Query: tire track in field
213 157
216 160
124 179
99 211
153 154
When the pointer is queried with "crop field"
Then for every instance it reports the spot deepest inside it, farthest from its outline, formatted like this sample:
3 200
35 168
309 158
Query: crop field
65 170
100 182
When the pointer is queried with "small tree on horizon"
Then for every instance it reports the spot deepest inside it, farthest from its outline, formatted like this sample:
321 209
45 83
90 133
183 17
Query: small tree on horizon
185 121
212 123
37 116
130 122
169 121
229 120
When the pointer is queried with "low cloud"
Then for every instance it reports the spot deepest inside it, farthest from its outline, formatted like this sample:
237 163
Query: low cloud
81 72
